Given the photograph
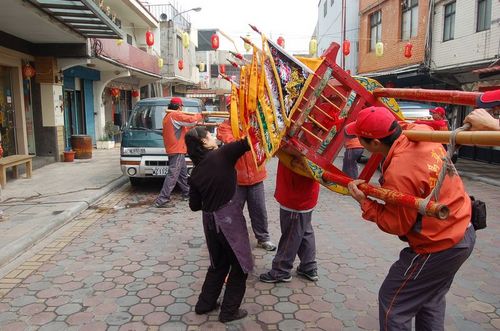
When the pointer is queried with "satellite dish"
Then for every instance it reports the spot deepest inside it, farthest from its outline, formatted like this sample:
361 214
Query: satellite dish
163 17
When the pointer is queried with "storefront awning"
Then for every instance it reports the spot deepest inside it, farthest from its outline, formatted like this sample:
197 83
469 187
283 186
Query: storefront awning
83 16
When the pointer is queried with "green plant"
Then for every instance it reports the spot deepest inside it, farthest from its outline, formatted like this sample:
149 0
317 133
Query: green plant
110 130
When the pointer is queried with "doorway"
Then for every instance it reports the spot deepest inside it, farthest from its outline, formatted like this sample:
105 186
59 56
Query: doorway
74 115
7 111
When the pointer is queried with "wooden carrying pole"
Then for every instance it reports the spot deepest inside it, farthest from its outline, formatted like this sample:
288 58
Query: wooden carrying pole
484 138
445 96
223 114
433 209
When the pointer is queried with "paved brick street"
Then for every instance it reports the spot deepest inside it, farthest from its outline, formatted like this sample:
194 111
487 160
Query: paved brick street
123 265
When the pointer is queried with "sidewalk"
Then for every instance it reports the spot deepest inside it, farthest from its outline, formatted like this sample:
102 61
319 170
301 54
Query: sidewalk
33 208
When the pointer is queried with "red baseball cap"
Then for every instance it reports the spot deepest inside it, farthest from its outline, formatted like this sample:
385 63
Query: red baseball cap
176 101
372 122
438 110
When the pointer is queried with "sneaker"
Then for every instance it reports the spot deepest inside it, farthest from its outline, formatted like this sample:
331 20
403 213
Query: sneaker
241 313
268 278
167 204
312 275
267 245
185 197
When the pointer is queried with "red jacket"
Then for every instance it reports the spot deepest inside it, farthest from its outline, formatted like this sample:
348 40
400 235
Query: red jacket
413 168
248 173
175 126
438 125
294 191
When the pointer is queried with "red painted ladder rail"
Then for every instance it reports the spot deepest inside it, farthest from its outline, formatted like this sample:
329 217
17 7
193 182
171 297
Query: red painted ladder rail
434 209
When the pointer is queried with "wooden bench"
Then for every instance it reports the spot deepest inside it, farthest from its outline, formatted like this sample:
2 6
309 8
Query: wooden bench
13 161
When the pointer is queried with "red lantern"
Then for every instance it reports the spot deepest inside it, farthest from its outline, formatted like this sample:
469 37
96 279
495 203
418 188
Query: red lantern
222 69
346 47
215 41
28 71
180 64
281 41
150 38
135 93
115 92
408 49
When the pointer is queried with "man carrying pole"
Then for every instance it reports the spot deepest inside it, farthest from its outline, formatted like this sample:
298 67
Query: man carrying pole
175 125
417 283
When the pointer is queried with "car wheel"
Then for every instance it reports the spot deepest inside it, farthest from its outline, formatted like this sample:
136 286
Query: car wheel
134 181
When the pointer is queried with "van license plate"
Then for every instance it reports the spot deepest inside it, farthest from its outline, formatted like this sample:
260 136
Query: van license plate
160 171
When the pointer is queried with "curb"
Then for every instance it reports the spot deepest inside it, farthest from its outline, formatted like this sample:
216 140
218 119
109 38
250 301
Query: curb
23 243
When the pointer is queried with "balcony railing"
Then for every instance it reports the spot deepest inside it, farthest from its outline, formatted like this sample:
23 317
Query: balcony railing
127 55
165 12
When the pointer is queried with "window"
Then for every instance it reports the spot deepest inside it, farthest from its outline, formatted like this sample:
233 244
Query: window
409 21
331 2
483 15
375 29
449 21
129 39
325 8
179 48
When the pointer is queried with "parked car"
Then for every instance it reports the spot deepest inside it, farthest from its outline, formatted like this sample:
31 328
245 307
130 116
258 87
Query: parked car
415 110
143 152
213 119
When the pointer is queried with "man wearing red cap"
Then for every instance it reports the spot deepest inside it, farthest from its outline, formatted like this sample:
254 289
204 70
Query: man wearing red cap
438 122
417 283
175 126
250 188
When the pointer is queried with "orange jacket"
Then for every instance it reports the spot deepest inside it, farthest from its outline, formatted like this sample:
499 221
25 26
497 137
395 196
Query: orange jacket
175 126
351 143
413 168
247 171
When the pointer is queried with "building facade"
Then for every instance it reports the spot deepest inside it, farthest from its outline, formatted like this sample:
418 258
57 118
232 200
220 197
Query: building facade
338 21
58 62
390 26
465 54
178 44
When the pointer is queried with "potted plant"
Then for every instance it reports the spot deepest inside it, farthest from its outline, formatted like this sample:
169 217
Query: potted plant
108 141
69 155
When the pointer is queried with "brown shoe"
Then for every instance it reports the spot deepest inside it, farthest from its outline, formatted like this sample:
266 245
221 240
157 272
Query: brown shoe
241 313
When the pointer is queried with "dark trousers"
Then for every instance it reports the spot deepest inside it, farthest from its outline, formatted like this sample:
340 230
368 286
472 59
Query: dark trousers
222 260
350 162
254 196
177 173
297 238
416 286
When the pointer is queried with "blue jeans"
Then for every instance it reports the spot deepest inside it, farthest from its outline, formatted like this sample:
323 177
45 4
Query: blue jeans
254 196
177 173
350 164
297 239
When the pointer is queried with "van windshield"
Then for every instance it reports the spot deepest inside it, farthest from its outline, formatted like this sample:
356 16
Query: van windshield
150 117
147 117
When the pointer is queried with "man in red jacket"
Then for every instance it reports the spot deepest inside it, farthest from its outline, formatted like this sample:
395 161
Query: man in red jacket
297 196
250 188
438 122
175 125
417 283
